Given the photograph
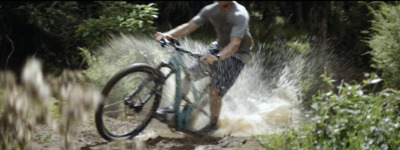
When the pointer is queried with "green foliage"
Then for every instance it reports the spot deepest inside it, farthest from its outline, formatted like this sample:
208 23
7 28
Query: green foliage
120 52
59 18
351 119
86 55
385 41
58 28
298 46
42 138
117 17
67 19
10 143
54 108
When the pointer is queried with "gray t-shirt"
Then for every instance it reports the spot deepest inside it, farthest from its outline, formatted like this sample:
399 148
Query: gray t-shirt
233 23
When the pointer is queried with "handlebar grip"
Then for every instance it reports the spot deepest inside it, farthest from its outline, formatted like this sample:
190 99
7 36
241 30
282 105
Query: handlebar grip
163 42
169 37
167 40
172 39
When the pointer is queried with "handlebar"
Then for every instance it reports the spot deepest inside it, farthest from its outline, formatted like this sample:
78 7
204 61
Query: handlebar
171 41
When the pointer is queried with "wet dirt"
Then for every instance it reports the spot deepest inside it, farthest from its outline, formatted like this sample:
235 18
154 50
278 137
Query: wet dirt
156 136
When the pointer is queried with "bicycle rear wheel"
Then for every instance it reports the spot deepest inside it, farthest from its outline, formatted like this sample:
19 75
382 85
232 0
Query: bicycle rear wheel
131 97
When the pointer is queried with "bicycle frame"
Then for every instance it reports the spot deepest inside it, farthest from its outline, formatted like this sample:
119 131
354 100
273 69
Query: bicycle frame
183 107
183 117
176 65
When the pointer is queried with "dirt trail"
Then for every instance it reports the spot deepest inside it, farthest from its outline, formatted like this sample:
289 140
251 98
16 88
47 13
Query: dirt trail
155 136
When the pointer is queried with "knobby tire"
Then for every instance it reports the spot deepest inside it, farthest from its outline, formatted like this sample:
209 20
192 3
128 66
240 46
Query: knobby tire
133 69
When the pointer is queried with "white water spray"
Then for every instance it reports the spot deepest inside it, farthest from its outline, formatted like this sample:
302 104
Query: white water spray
258 103
254 107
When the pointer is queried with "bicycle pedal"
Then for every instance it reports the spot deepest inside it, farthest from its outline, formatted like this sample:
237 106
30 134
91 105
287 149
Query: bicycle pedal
161 114
160 117
167 109
170 120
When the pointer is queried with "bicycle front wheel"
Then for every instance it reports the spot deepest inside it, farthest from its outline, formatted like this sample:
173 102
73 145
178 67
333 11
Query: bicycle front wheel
131 97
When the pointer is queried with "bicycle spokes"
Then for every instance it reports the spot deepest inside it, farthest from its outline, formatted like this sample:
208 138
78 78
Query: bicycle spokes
135 101
139 105
127 111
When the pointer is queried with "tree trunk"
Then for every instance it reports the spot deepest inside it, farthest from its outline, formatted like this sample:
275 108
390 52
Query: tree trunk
325 17
299 14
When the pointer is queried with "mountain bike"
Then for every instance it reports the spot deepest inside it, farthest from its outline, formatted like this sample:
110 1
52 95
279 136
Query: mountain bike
133 95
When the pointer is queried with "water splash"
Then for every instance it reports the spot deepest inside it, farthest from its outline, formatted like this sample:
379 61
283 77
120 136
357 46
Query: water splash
270 93
266 97
255 106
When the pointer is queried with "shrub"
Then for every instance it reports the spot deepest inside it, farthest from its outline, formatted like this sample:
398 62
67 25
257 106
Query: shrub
384 41
350 119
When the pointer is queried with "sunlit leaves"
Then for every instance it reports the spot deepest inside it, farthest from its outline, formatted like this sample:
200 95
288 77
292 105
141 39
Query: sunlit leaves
117 16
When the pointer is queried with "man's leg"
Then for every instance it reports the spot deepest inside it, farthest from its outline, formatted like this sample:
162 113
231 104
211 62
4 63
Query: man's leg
221 81
215 105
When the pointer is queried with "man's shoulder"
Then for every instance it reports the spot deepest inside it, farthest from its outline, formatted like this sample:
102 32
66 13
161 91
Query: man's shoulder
211 6
240 8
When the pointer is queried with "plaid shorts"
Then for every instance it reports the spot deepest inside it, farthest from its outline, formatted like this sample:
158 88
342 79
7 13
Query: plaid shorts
223 75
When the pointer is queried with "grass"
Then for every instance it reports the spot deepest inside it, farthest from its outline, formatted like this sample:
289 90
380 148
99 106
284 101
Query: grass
54 107
11 144
43 138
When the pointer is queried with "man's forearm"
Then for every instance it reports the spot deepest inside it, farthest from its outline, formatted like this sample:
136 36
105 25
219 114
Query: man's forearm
230 49
182 30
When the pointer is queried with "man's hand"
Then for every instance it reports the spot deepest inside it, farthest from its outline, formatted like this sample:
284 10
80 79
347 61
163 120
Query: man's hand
208 58
158 36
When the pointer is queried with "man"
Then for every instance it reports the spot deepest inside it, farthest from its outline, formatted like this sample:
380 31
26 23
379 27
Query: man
230 21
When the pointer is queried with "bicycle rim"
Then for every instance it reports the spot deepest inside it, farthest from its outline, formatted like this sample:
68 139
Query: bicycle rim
115 119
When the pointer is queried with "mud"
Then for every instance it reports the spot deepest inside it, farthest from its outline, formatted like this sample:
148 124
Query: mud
155 136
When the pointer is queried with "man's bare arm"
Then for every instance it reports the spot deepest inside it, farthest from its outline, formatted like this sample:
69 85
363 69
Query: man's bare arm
183 29
231 48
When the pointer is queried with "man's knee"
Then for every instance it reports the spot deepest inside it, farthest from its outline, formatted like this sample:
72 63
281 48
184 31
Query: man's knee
214 92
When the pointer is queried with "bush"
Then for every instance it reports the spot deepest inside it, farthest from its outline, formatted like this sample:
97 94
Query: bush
56 31
350 119
385 41
117 17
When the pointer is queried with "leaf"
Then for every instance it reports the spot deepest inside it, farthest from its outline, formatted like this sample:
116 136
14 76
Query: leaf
85 34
